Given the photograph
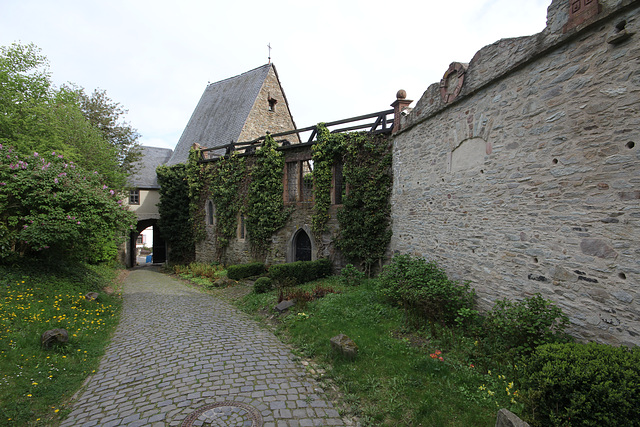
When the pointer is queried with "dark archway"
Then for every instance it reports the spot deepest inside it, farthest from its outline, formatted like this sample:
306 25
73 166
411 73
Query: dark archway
159 246
302 246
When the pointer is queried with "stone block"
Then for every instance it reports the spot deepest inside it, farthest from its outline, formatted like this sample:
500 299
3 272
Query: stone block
507 418
344 345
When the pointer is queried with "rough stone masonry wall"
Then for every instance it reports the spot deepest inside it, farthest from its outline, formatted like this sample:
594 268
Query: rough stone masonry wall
262 119
529 181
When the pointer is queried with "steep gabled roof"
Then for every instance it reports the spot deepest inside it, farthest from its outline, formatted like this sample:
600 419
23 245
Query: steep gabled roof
145 176
221 113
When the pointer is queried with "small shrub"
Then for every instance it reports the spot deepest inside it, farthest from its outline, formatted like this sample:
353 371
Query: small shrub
300 271
350 276
515 329
262 285
583 384
425 288
241 271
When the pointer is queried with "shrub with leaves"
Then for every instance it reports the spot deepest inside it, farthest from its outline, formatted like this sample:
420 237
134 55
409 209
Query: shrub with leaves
350 276
422 286
241 271
582 384
52 207
262 285
515 328
299 272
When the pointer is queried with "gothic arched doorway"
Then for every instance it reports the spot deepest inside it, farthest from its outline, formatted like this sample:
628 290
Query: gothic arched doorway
302 246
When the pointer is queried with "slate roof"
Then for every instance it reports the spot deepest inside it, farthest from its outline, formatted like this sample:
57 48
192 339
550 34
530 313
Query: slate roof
221 113
145 176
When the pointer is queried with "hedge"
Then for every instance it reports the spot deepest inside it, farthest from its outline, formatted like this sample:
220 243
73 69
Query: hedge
240 271
300 271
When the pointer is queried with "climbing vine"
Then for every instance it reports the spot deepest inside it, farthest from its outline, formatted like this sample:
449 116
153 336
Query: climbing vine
364 219
265 206
175 222
326 151
227 181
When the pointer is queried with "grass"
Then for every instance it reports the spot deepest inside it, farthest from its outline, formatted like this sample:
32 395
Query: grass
35 382
402 375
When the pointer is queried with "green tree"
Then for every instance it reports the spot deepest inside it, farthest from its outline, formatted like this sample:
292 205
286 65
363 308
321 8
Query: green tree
36 117
51 207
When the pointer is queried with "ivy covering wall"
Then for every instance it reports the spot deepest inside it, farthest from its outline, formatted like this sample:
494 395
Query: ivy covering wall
252 185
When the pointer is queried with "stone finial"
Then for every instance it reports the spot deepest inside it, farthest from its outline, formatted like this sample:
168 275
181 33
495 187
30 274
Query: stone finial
399 105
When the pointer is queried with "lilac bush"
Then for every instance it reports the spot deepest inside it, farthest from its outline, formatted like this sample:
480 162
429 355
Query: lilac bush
53 208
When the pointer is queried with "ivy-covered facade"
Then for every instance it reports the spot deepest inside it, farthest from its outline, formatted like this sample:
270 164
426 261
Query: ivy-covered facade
327 199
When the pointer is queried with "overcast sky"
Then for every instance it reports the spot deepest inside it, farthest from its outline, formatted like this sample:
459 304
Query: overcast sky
336 59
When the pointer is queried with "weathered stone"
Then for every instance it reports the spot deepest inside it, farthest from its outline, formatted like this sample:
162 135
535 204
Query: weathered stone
285 305
92 296
597 247
544 201
344 345
506 418
54 336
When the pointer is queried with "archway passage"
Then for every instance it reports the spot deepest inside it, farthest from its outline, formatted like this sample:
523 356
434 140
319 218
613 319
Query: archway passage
159 246
302 246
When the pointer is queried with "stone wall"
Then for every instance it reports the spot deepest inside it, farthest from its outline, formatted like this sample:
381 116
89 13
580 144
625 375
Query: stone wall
282 247
270 112
527 179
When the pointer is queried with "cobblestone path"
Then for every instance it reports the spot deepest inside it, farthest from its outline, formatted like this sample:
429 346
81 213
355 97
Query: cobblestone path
183 357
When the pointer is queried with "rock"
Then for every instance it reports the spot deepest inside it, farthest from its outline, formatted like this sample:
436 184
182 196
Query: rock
507 418
344 345
598 248
92 296
54 335
285 305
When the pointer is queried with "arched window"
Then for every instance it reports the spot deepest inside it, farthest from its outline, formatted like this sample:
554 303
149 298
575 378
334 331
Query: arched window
302 246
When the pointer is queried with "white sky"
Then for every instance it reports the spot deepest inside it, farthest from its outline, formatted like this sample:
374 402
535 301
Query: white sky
336 59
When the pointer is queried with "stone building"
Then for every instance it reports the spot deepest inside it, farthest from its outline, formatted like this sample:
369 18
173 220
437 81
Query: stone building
240 108
143 199
519 170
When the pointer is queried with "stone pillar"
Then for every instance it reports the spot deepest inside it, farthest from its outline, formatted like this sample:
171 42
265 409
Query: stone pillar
398 106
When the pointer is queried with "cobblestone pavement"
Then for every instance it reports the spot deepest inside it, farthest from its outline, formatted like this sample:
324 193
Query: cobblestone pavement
183 357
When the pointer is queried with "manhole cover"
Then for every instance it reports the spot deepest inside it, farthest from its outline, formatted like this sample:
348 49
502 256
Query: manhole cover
224 414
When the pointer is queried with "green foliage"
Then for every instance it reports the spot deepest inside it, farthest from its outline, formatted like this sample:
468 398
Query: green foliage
35 117
241 271
583 384
225 182
514 329
262 285
365 218
326 151
175 219
424 287
38 383
52 208
265 206
300 271
351 276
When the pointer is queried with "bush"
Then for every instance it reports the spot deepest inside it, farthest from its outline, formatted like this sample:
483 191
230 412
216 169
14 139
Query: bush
241 271
424 287
515 329
262 285
300 271
350 276
583 384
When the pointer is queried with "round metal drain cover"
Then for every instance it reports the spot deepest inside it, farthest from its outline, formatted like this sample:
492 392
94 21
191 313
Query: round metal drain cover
224 414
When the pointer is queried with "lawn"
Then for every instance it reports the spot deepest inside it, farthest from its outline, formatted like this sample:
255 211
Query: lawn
35 382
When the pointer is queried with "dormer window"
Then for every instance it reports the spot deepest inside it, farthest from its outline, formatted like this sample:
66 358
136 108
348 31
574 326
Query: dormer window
272 103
